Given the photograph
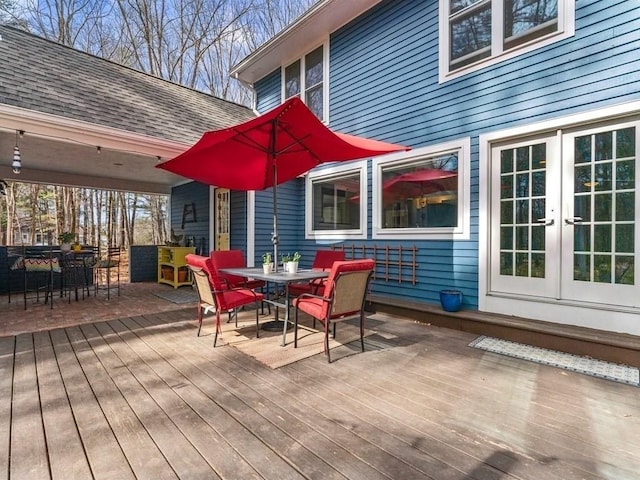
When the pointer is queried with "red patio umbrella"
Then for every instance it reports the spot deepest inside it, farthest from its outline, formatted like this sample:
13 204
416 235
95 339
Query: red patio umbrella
419 182
270 149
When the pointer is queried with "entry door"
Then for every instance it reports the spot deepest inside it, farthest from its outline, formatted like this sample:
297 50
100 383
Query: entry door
525 217
563 216
222 224
599 225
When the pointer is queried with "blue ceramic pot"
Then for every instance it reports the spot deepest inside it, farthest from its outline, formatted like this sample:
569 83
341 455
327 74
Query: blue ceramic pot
451 300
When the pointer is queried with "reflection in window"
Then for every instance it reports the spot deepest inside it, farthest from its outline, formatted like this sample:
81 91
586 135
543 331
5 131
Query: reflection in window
307 75
473 35
336 203
422 194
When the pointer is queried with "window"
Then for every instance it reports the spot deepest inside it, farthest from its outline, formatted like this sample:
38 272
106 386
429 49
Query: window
422 192
306 78
475 33
336 202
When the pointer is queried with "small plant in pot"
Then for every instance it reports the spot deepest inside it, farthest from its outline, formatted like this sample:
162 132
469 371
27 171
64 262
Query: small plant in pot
65 239
267 262
291 265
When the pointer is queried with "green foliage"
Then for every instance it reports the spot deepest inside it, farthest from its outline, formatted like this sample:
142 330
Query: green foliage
267 258
66 237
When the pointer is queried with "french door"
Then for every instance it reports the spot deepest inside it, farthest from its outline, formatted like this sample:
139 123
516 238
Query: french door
563 216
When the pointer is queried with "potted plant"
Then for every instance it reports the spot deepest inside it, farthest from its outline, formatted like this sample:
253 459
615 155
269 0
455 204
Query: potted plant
267 262
293 263
285 259
65 239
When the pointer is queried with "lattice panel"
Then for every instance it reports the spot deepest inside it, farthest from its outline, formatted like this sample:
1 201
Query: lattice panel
393 264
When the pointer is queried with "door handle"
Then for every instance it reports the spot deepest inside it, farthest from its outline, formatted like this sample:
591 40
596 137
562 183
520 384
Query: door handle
573 220
546 221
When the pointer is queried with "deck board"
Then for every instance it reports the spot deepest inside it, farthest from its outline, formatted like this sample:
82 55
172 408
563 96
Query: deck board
65 450
144 397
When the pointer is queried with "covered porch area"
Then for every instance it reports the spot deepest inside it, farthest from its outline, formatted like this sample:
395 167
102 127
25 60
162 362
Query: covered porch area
125 389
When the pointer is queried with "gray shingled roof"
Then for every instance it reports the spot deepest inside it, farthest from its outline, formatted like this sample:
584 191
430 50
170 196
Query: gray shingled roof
51 78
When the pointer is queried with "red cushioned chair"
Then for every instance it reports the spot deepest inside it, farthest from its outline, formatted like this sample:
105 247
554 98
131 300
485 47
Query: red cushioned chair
344 298
215 294
233 259
323 261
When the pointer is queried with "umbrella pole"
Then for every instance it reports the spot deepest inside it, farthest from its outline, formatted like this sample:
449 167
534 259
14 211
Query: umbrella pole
274 237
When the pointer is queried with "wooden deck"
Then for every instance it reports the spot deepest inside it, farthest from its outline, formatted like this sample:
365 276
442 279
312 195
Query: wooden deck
143 397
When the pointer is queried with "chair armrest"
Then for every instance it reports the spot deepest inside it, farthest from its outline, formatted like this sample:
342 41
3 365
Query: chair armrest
311 295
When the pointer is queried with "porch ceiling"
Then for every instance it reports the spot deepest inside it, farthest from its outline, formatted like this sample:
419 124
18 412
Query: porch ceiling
68 103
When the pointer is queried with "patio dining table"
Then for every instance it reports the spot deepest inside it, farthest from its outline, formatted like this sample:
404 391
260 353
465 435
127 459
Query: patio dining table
278 278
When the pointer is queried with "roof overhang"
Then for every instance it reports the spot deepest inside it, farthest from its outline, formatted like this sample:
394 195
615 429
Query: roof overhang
62 151
312 28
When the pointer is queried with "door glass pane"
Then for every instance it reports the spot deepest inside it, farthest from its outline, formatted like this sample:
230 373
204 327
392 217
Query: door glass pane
537 265
582 238
602 238
582 150
602 205
537 237
522 237
602 177
582 267
602 268
625 174
522 265
603 146
506 212
506 263
625 238
625 206
522 185
582 207
624 270
506 161
604 180
582 179
626 143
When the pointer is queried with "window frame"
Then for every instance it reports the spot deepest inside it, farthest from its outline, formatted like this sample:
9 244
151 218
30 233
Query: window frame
303 87
462 230
566 28
360 168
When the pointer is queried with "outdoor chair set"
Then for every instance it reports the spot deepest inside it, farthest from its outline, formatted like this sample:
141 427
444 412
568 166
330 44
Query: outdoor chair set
71 272
339 296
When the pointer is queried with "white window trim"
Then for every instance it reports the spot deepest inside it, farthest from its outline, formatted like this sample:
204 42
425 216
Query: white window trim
325 77
566 29
462 231
360 168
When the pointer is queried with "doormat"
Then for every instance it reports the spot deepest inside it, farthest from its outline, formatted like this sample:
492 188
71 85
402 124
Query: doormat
589 366
178 295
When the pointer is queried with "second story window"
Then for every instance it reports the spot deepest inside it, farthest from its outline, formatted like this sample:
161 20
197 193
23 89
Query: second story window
474 33
306 78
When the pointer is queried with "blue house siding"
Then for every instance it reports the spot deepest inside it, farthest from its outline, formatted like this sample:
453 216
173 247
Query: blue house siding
384 84
197 195
269 92
290 219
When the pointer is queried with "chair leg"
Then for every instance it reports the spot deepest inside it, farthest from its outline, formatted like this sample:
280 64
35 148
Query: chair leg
326 340
199 319
362 331
215 339
295 329
257 322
